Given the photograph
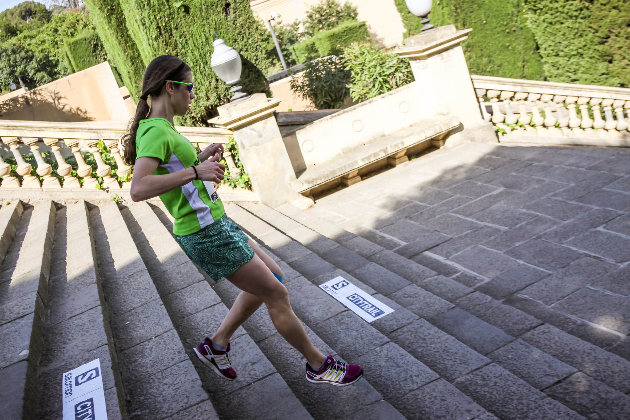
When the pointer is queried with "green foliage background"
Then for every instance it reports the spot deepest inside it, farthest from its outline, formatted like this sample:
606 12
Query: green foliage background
122 51
586 42
324 82
85 50
328 14
332 41
501 43
186 30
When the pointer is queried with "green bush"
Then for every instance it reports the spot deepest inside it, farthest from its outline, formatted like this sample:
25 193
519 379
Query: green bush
85 50
287 35
122 52
501 44
583 42
36 56
186 29
410 21
328 14
324 82
331 42
375 71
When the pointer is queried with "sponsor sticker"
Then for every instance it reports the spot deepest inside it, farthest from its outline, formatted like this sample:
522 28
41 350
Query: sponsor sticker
358 301
211 191
83 393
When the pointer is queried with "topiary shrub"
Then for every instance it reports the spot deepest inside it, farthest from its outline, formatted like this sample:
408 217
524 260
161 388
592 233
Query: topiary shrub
501 43
324 82
85 50
186 28
110 23
375 71
328 14
331 42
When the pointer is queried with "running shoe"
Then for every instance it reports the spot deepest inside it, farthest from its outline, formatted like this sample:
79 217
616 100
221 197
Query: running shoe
217 360
334 372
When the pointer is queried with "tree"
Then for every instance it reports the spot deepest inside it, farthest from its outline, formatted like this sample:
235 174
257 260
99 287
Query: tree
328 14
28 12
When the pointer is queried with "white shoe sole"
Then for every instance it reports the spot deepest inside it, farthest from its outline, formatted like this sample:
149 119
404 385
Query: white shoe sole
335 383
209 364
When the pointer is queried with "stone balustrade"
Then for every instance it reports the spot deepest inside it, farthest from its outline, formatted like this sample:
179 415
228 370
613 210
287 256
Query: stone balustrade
79 138
573 114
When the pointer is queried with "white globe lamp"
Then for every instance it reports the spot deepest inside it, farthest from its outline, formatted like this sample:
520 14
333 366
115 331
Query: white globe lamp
421 8
226 63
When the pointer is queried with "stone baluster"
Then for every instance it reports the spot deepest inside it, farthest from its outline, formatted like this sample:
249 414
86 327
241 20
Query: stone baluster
537 118
563 116
64 169
622 124
493 95
229 159
8 181
574 120
510 117
102 169
523 117
84 170
23 168
43 169
598 122
587 122
123 168
484 112
610 124
550 119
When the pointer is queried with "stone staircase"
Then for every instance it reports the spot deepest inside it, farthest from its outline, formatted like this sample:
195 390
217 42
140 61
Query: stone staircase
81 281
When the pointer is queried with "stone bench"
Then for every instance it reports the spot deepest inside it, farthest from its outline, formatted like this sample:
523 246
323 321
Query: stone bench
393 146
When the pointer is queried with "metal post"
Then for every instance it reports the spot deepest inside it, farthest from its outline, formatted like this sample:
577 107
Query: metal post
275 41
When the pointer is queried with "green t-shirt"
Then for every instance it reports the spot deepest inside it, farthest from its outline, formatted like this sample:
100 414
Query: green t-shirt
194 205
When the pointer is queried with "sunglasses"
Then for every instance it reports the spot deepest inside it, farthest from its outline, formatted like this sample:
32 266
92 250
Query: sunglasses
189 86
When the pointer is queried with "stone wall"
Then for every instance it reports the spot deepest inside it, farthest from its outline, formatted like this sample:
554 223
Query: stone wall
88 95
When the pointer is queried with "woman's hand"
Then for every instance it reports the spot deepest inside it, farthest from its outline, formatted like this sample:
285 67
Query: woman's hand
211 150
211 169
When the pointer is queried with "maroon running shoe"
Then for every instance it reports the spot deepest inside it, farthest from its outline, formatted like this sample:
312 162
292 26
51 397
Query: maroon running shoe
217 360
334 372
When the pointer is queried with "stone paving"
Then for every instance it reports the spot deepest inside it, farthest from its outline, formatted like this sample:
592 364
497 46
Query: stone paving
545 229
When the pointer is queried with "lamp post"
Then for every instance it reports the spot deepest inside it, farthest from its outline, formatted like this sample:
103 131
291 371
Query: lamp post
275 41
226 63
421 8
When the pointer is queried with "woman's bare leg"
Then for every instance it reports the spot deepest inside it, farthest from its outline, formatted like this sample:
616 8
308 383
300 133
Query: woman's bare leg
245 304
257 282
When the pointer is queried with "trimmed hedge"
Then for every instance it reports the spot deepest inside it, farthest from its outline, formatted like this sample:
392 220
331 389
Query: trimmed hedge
122 51
331 42
185 29
583 42
501 43
85 50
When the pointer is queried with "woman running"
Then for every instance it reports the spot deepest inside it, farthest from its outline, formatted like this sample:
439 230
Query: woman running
167 165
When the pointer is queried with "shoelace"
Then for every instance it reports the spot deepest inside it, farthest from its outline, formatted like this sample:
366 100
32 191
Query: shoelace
222 360
336 372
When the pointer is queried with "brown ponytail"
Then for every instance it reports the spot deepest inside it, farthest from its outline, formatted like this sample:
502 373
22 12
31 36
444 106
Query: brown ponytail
162 68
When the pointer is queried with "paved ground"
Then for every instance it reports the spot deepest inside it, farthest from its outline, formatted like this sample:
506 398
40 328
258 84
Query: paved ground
546 229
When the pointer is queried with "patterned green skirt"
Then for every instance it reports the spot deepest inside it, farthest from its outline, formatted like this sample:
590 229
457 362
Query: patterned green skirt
220 248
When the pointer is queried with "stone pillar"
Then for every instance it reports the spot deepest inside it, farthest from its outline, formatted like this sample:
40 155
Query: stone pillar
123 168
261 149
444 84
43 169
23 168
84 170
63 169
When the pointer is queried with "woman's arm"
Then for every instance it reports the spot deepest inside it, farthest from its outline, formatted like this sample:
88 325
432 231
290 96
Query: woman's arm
145 185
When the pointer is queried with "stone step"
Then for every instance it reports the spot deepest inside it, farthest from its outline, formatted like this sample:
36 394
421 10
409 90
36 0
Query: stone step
197 311
404 381
323 402
9 218
484 311
23 303
159 379
78 329
445 352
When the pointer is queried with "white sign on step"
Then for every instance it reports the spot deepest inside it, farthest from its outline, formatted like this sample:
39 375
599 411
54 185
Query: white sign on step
358 301
83 393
